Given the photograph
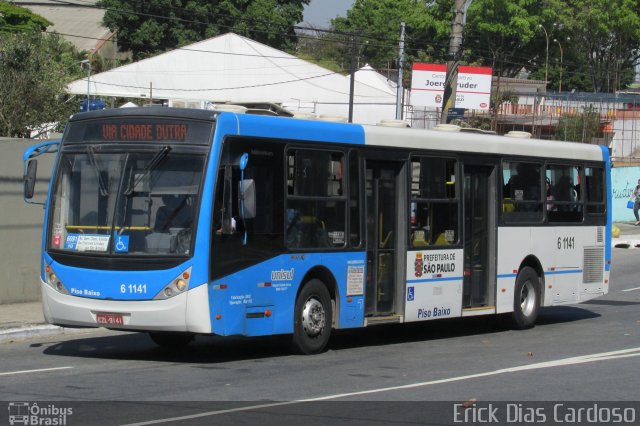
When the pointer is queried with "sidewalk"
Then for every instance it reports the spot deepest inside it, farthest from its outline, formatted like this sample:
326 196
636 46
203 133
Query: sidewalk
21 321
629 235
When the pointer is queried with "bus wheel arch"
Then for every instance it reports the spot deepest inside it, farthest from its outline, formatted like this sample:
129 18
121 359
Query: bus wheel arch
323 274
534 263
526 298
313 312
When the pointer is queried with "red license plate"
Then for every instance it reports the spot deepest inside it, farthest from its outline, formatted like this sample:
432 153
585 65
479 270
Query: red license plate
109 319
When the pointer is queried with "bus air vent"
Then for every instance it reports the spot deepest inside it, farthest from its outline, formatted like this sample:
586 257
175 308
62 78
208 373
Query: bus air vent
593 271
600 235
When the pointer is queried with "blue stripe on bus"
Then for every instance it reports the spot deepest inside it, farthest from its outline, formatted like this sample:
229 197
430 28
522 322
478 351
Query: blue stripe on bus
507 275
297 129
567 271
607 242
430 280
43 242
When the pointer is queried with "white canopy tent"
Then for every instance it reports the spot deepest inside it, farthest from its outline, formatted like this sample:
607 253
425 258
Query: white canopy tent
233 69
369 76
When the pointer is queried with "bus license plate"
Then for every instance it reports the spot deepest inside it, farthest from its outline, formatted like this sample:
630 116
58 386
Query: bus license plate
109 319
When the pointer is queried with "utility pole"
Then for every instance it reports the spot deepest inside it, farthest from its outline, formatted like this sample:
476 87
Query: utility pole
400 68
353 75
453 58
87 62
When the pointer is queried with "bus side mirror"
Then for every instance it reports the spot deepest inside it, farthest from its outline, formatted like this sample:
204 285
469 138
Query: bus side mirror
30 179
247 193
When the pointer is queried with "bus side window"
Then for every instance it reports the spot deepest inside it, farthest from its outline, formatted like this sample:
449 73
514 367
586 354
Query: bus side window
566 193
595 190
315 199
522 192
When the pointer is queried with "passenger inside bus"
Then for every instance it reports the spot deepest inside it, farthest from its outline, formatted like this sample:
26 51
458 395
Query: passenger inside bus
175 213
565 190
305 231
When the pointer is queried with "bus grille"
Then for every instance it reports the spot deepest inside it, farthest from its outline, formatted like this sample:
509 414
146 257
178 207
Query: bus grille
600 235
593 271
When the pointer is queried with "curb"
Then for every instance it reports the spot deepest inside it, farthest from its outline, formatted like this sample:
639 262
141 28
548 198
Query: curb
39 330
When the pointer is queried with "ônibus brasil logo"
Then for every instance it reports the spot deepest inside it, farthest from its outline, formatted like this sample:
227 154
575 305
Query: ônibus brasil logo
31 413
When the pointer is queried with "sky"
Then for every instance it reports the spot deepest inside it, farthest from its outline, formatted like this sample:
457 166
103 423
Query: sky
319 12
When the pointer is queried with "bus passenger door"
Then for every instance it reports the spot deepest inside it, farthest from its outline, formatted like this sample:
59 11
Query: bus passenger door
382 207
479 238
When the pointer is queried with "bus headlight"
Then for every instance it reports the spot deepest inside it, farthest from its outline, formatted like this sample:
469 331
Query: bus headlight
54 281
178 285
181 284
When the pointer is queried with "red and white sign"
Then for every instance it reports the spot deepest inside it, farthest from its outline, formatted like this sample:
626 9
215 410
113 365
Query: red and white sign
473 92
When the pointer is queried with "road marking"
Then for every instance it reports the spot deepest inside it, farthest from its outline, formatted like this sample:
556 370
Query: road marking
40 370
632 289
604 356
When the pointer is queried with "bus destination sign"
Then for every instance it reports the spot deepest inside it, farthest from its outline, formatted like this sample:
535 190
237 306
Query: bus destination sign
144 132
140 129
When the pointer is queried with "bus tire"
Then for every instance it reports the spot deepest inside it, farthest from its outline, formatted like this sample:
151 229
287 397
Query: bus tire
312 318
526 299
170 340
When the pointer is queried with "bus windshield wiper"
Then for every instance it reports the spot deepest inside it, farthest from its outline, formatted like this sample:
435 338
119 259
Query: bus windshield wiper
104 190
160 155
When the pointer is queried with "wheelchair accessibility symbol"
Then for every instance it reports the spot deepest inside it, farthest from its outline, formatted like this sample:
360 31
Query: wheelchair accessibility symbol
121 244
410 294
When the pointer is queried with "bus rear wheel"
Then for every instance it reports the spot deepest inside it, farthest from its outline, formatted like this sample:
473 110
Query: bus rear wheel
170 340
526 299
312 318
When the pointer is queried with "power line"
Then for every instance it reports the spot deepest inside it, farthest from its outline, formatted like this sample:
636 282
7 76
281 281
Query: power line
388 41
215 88
485 59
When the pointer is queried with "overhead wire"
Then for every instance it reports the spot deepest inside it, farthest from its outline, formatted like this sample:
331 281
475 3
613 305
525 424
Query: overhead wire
408 48
374 42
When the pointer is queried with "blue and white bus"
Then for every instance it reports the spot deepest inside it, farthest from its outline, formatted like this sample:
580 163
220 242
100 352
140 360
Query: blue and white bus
183 222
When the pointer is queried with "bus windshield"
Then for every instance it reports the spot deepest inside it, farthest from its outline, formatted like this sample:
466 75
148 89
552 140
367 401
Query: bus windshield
119 200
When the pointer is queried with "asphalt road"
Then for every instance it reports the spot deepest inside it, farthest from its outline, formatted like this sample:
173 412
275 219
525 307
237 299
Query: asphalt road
401 374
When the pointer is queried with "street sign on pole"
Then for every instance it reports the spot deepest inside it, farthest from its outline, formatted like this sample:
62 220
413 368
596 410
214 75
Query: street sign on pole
473 89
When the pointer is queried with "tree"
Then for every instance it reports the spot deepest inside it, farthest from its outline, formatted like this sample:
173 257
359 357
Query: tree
593 42
15 19
35 69
581 127
377 26
503 34
605 36
149 27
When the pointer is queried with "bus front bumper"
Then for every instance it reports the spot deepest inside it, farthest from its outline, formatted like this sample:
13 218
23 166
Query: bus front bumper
187 312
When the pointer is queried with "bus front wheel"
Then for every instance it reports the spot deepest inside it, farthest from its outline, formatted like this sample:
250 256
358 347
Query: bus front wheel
312 318
526 300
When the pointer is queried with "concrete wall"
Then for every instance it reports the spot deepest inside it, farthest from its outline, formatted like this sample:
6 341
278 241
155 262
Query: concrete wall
623 182
20 224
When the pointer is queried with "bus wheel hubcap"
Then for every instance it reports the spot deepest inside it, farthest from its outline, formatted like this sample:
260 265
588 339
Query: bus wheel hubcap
313 317
527 298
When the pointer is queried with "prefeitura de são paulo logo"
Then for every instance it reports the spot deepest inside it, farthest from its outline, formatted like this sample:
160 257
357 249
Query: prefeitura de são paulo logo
419 264
32 413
